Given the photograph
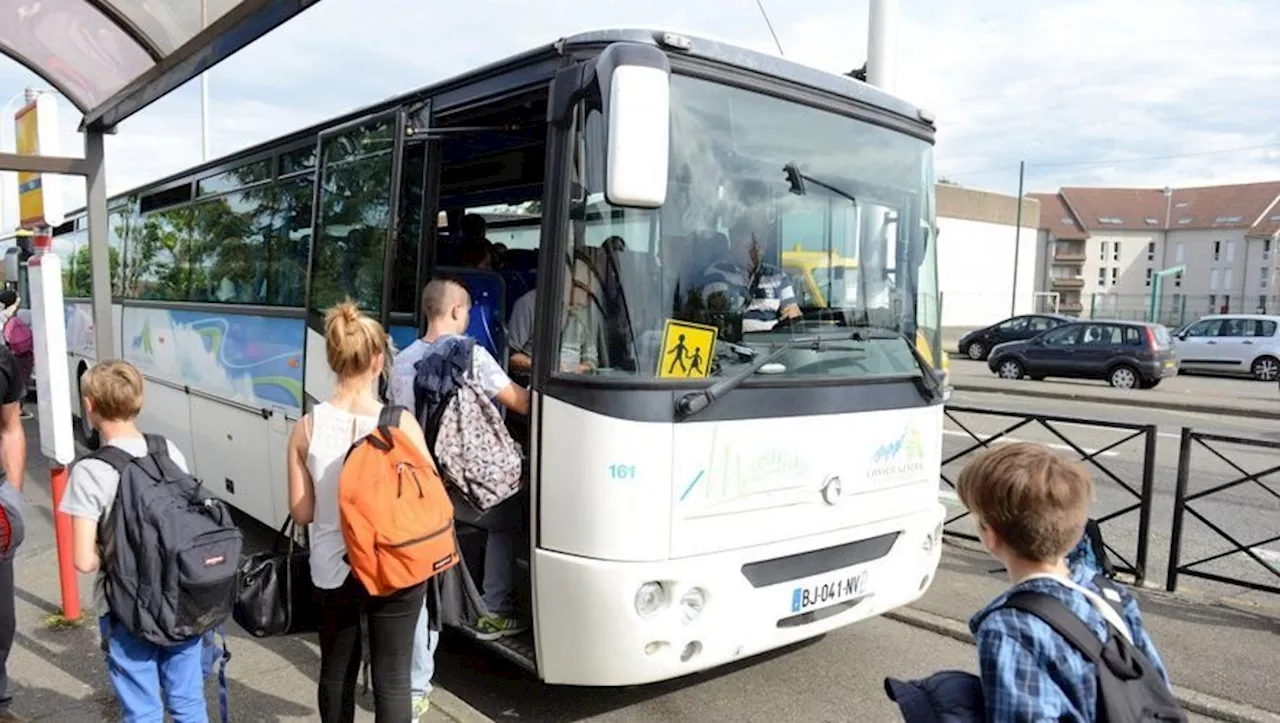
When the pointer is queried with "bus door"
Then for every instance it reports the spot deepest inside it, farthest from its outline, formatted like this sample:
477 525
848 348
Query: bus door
356 230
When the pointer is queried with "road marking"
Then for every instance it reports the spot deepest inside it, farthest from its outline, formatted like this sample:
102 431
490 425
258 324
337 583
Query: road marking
1271 556
1051 445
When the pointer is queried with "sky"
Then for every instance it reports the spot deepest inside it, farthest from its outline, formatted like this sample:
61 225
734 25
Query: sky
1087 92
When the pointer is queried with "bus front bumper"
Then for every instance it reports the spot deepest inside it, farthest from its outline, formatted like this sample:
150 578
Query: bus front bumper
590 631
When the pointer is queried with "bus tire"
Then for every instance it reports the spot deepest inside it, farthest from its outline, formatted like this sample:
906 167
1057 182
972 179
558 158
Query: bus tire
86 435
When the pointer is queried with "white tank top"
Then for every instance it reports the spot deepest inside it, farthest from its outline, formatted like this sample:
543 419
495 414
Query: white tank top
333 431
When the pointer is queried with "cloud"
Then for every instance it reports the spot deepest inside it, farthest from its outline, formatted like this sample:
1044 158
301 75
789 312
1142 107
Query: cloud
1066 82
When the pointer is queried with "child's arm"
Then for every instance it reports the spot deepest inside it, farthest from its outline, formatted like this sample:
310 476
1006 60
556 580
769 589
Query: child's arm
1016 687
84 538
86 500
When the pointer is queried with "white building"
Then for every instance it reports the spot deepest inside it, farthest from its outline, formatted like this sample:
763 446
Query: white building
976 257
1103 246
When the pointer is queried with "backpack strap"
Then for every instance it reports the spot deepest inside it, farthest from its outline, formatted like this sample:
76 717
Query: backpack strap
388 419
1059 617
157 446
390 416
219 655
114 456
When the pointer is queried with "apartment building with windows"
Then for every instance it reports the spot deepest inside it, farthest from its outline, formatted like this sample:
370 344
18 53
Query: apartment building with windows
1104 246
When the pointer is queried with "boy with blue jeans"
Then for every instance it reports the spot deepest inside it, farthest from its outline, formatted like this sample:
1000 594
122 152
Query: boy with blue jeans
148 679
1030 506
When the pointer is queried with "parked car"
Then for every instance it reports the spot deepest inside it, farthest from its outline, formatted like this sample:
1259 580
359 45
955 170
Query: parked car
1232 344
1126 354
977 344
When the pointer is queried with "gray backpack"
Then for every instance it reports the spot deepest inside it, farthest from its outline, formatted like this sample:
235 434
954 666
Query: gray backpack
170 551
467 436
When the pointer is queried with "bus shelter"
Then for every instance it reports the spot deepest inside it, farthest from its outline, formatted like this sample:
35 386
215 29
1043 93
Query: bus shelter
111 59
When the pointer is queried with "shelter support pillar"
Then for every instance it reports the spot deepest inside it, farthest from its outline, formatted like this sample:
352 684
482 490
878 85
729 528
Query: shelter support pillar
99 233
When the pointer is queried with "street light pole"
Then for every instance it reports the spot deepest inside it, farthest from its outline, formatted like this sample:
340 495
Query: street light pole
204 91
1017 239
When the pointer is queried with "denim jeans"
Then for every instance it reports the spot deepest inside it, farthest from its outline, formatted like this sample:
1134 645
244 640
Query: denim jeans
505 525
425 641
142 673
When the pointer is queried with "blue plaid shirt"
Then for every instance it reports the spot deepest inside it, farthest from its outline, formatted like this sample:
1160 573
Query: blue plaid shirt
1029 672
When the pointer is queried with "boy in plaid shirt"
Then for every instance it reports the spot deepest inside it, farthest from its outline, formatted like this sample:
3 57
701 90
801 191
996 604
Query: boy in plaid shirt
1030 506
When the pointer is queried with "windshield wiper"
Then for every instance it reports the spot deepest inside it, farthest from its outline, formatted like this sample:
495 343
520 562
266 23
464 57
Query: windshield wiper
928 383
694 402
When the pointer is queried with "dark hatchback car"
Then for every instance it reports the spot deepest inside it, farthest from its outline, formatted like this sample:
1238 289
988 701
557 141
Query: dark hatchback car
1126 354
977 344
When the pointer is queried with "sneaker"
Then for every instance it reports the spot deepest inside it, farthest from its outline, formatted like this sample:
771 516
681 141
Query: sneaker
421 706
492 627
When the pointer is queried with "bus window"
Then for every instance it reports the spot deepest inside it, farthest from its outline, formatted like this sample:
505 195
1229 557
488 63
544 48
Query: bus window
351 223
290 242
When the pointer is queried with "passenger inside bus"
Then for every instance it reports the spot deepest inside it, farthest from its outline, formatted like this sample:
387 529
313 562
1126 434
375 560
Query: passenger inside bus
579 340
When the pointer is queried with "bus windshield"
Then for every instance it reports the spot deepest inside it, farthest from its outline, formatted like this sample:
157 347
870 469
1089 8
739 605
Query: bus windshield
782 220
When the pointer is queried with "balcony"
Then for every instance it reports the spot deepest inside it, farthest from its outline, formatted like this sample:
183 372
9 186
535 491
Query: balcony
1069 256
1067 282
1070 307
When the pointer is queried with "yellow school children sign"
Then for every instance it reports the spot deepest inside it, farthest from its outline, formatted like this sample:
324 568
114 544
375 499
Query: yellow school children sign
687 350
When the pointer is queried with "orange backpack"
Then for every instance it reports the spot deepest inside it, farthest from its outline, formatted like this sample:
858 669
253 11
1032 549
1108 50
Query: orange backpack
397 520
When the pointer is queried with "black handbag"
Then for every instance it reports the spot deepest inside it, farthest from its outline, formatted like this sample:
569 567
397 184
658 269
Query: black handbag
274 595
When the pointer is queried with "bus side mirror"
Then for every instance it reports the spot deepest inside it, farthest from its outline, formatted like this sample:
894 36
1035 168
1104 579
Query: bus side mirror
634 82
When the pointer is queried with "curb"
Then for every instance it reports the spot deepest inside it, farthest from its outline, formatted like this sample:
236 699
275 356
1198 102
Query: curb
1124 401
1193 701
456 708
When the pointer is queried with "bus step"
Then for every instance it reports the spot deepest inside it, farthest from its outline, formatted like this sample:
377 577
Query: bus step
518 649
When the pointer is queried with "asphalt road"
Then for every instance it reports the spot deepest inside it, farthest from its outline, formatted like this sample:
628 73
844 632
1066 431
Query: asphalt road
1247 511
839 677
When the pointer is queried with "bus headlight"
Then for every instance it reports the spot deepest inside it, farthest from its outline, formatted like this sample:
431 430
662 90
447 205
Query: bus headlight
691 604
650 599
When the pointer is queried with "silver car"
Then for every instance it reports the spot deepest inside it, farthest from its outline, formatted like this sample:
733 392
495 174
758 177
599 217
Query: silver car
1232 344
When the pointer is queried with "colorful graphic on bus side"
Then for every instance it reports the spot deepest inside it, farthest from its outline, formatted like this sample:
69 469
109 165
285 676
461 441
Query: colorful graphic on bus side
253 360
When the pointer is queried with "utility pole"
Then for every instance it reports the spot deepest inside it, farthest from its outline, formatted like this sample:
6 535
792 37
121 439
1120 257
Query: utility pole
1017 239
882 44
204 90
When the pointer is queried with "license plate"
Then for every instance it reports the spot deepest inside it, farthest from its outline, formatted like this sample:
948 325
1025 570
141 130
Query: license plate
829 592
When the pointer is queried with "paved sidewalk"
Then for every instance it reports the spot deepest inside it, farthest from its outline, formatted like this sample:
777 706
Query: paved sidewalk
58 674
1187 393
1225 653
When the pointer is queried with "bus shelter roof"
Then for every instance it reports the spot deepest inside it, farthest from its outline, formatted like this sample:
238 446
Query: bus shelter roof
112 58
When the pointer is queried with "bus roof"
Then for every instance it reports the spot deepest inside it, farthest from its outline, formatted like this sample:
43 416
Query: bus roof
538 65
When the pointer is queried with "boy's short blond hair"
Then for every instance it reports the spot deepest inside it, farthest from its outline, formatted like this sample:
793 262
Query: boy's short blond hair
1035 500
115 389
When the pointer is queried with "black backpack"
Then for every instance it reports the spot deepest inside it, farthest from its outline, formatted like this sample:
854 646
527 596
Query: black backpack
1130 689
170 551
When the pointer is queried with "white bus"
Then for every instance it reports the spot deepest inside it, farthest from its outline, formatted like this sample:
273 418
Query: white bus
785 487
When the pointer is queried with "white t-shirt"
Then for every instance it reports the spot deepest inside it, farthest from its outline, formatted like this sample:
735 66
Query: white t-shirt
484 369
91 493
333 431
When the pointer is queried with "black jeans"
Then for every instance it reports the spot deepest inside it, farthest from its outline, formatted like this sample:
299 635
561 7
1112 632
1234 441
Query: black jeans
392 622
